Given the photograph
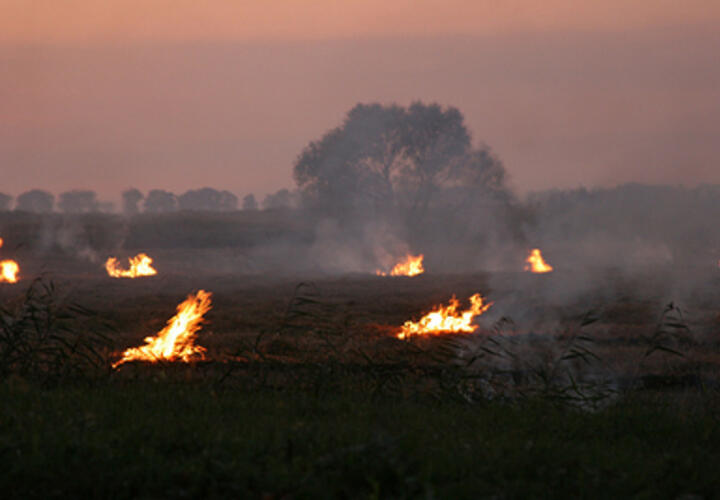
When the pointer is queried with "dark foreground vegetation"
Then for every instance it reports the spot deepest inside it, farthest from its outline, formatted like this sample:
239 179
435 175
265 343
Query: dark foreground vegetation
167 438
307 394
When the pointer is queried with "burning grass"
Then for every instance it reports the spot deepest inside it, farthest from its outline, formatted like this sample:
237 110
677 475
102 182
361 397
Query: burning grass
446 319
410 265
140 265
536 264
9 269
175 342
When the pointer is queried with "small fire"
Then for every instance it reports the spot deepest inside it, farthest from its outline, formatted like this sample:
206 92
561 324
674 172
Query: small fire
175 342
140 265
9 269
446 319
412 265
536 263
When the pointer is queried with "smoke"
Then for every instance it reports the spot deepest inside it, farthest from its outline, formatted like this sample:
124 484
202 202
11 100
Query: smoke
72 239
364 248
88 237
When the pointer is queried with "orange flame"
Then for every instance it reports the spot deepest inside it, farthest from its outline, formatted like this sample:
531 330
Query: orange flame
9 269
412 265
175 341
536 263
140 265
447 319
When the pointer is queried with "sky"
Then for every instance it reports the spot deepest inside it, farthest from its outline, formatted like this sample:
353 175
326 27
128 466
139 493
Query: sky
179 94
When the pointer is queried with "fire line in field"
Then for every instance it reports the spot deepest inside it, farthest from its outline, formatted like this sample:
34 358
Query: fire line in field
411 265
536 264
446 319
175 342
140 265
9 269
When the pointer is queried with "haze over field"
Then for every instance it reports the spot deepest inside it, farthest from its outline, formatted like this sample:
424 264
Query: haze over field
179 94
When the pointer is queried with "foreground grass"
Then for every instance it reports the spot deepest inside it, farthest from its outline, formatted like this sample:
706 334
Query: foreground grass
164 439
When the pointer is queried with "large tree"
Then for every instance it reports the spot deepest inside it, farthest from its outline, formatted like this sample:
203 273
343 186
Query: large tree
397 161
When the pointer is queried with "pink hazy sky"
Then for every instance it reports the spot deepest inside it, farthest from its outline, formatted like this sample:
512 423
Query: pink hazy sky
178 94
182 20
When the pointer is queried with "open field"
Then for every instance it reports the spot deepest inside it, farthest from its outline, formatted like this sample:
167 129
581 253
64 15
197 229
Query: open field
160 439
301 250
572 386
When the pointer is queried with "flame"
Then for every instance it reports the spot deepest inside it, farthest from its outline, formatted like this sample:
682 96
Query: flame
536 263
175 342
140 265
9 269
412 265
446 319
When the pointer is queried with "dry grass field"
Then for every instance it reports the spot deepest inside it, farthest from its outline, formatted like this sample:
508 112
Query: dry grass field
635 328
573 385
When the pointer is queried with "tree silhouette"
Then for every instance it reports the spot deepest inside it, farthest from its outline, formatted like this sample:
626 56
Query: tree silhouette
35 200
131 199
280 199
228 201
78 201
249 202
159 201
394 160
5 200
207 199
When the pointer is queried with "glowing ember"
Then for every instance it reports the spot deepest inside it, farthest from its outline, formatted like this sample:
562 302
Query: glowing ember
9 269
411 266
175 342
140 265
536 263
446 319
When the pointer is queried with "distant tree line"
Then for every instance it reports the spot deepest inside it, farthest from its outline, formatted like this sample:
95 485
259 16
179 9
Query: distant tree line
80 201
683 219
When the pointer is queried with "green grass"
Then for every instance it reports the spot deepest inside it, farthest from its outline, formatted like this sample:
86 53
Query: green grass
164 438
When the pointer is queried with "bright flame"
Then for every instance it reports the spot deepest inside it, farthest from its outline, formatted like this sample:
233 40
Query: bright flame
536 263
175 342
412 265
140 265
9 269
446 319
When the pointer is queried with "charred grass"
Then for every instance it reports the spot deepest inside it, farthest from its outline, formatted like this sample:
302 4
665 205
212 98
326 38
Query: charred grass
307 394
